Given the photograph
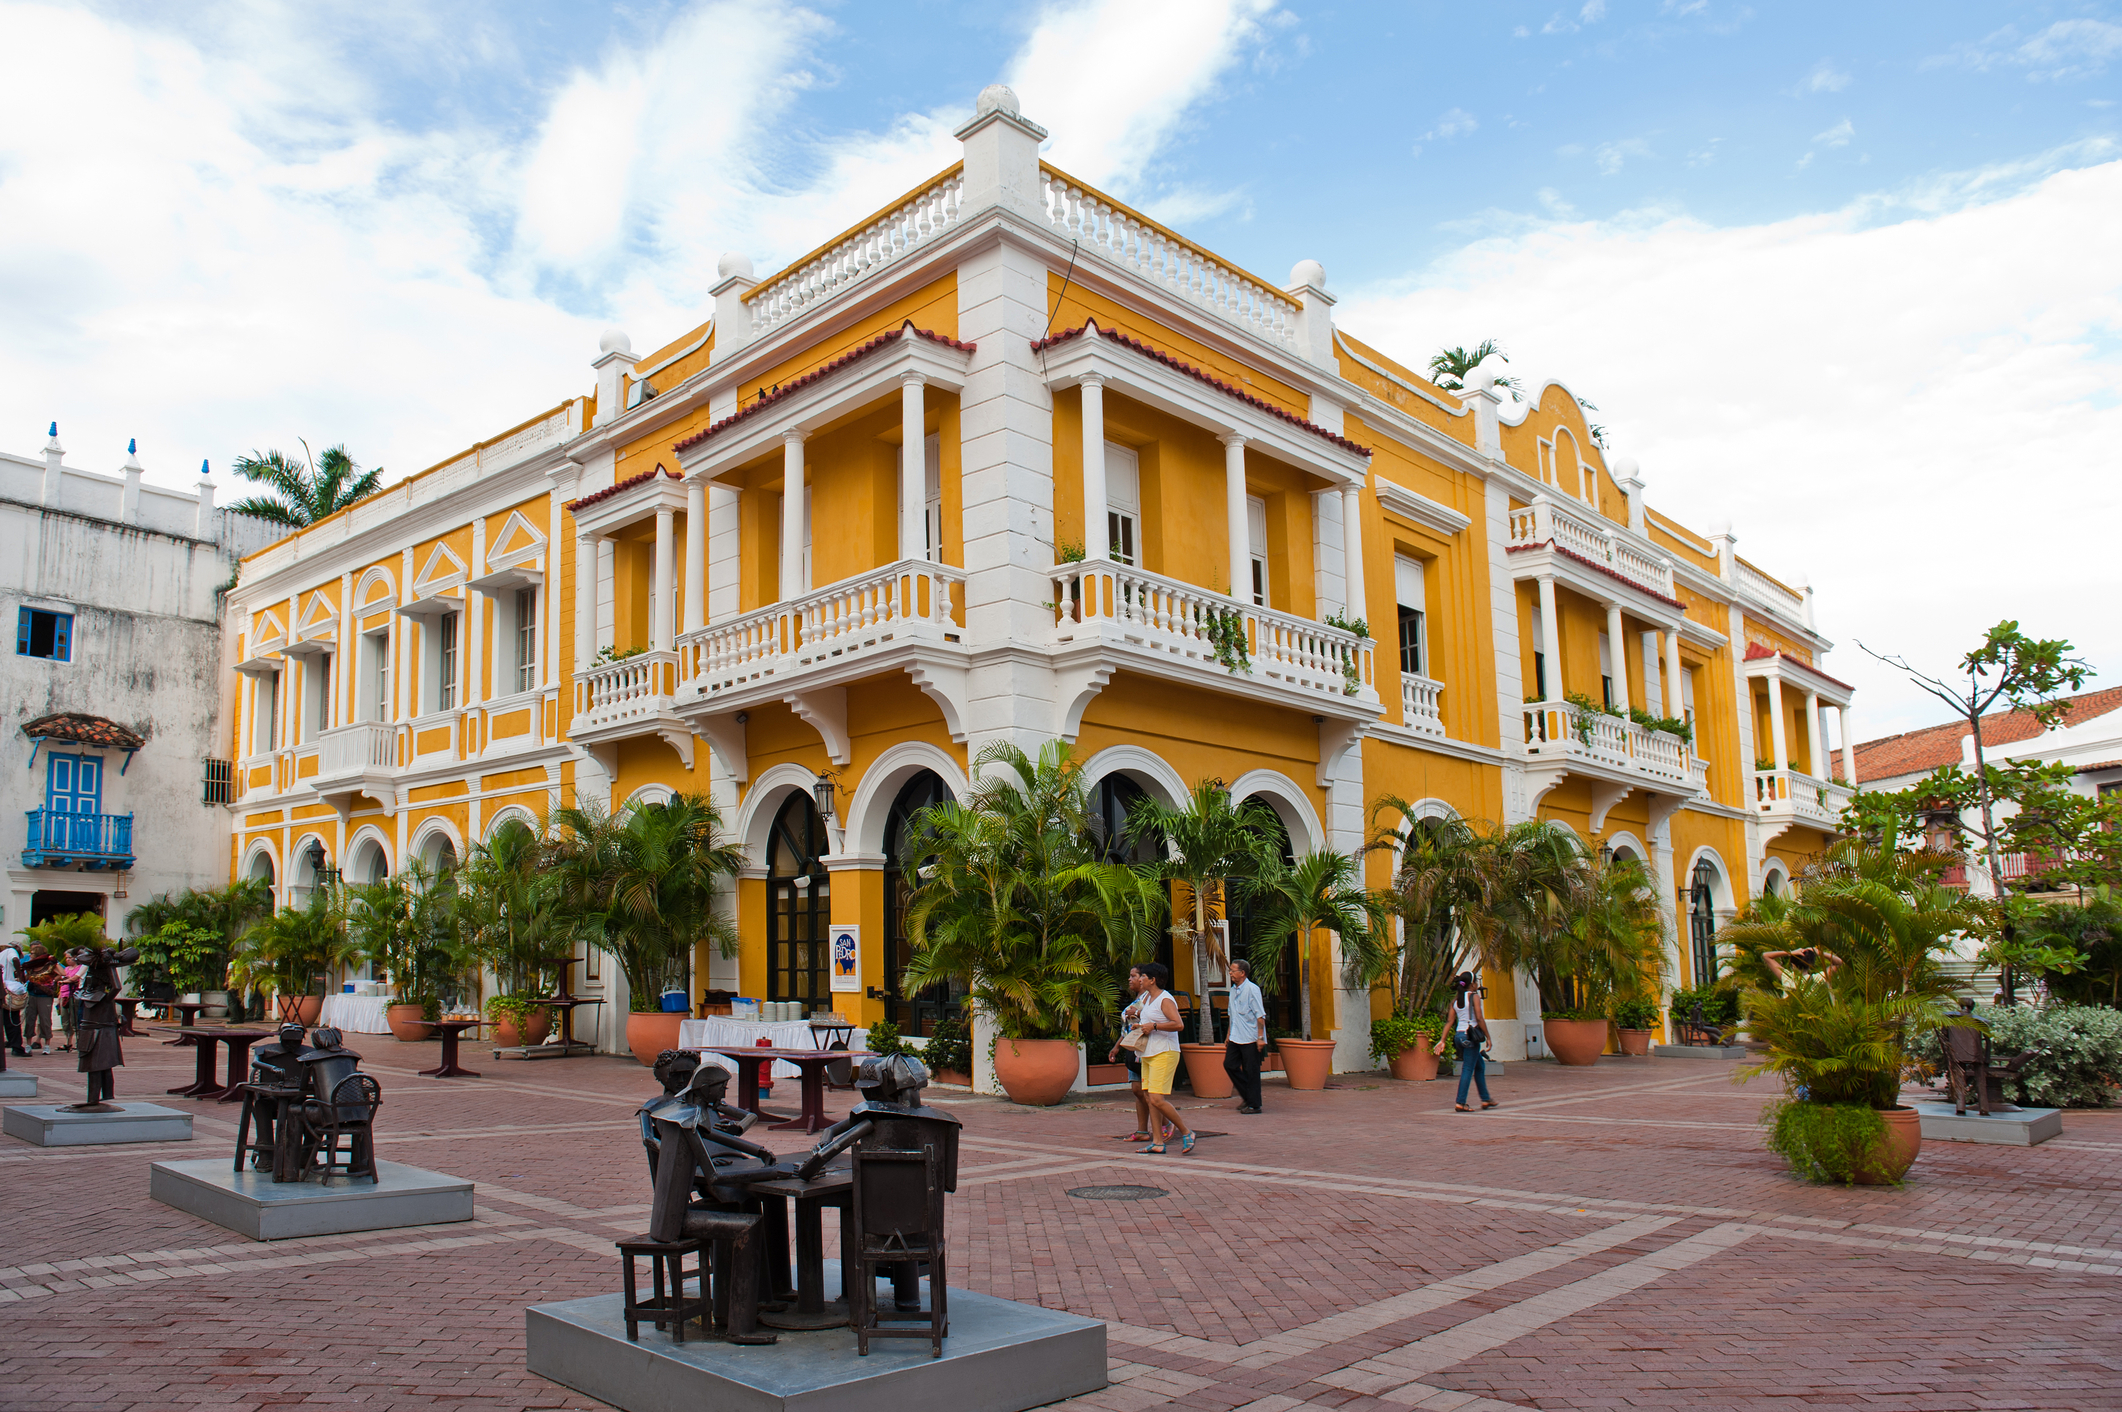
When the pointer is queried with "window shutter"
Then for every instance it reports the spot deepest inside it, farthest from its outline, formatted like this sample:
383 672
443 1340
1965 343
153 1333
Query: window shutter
62 637
22 632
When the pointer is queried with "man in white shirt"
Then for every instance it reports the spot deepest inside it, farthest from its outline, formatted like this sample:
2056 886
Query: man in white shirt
1246 1043
17 991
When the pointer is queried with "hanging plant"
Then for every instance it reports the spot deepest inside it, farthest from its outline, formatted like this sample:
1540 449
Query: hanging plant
1226 633
1351 674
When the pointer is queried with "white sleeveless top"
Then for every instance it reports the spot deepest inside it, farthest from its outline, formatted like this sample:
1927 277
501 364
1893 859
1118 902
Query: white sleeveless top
1160 1041
1463 1012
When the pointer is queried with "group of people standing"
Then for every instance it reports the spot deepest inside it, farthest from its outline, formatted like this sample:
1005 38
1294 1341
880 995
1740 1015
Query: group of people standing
33 985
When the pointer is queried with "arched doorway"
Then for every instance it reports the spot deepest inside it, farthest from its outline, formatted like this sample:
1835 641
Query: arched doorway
798 906
1702 924
904 853
1284 1005
1116 794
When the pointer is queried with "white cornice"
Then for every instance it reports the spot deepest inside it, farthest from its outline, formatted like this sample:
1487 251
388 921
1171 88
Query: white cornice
1399 500
1398 735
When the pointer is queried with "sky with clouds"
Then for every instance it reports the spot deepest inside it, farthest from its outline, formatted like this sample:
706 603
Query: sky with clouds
1844 275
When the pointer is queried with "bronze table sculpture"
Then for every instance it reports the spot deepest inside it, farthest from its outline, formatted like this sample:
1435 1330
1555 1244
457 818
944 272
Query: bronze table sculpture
100 1023
699 1167
306 1100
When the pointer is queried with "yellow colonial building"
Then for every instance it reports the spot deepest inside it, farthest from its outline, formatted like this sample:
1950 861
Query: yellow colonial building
1002 463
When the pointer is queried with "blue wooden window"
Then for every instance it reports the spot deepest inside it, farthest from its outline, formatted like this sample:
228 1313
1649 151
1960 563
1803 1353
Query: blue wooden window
73 784
42 634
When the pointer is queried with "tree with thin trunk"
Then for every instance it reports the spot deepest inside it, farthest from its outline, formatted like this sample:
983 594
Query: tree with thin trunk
1450 367
1445 892
304 491
1210 843
2027 675
1321 891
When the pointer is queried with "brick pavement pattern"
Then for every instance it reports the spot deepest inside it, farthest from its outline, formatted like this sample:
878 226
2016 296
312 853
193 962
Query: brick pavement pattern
1611 1237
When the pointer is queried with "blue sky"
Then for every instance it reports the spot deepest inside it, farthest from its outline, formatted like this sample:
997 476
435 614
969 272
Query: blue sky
1843 275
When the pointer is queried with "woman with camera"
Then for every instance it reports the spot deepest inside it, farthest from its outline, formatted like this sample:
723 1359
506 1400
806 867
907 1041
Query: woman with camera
1470 1028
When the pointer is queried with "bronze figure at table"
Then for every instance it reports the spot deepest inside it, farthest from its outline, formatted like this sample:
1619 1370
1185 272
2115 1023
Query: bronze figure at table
304 1101
99 1023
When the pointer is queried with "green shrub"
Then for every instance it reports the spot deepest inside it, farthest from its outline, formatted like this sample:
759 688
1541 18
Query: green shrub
1825 1142
1720 1005
2078 1059
508 1007
1395 1033
1636 1014
950 1047
884 1040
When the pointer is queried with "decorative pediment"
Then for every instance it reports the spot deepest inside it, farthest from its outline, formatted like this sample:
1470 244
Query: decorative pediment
518 546
319 618
442 572
376 589
267 632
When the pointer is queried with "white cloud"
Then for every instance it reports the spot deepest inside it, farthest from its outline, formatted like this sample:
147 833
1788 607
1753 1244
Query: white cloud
1593 12
1825 78
2066 50
1453 122
1871 394
1837 136
1612 156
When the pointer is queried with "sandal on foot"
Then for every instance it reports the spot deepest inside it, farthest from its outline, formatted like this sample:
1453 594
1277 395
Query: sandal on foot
1461 1108
1136 1136
1155 1149
1186 1145
1489 1104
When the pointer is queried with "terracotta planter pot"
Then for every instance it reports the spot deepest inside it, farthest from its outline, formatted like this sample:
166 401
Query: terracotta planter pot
1309 1063
536 1025
405 1023
1575 1041
952 1076
1204 1070
1904 1139
650 1032
1417 1065
1106 1074
1271 1062
302 1009
1636 1042
1036 1072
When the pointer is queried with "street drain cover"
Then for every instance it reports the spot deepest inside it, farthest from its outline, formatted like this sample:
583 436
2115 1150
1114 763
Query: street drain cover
1118 1193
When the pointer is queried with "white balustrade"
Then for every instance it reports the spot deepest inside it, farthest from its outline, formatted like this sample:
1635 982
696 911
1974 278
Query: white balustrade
1164 615
1557 730
1591 537
1166 261
352 749
1794 794
1421 703
909 600
609 693
882 241
1763 589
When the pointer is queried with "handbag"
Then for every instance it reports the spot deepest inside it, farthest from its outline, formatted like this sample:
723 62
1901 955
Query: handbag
1134 1041
17 1000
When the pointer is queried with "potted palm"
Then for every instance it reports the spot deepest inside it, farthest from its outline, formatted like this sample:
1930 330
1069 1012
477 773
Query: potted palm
517 921
1588 929
1210 845
1636 1019
1446 895
291 950
1406 1045
1323 891
645 881
407 926
1017 904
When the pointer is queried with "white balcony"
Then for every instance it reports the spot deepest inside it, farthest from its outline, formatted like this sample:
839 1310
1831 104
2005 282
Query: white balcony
1618 756
1578 535
354 760
1788 798
1421 704
808 639
1204 638
629 689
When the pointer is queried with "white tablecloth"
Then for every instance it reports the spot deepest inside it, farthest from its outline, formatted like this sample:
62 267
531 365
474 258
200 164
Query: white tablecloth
356 1014
785 1034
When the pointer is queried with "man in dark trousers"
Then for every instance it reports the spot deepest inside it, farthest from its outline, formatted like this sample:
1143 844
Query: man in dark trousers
1246 1043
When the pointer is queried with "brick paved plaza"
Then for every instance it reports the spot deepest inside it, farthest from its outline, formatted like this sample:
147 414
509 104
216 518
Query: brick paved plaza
1612 1237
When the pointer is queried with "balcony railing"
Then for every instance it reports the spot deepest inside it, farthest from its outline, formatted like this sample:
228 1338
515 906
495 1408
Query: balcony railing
59 839
910 600
1589 536
358 748
1421 703
1198 625
2016 867
631 688
1801 798
1556 730
1765 590
916 222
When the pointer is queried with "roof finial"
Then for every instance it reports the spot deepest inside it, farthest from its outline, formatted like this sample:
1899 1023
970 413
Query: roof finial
204 470
132 446
55 429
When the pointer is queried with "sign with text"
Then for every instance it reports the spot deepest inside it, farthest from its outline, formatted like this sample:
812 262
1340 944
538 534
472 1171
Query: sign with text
846 946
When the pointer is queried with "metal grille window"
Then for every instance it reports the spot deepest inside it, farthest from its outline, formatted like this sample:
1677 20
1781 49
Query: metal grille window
1702 925
526 638
447 661
218 786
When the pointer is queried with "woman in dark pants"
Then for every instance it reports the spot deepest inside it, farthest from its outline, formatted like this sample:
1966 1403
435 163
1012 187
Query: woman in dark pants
1470 1029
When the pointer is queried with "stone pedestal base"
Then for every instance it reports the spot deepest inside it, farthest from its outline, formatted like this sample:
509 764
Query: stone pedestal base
253 1204
14 1084
2018 1127
1000 1356
50 1125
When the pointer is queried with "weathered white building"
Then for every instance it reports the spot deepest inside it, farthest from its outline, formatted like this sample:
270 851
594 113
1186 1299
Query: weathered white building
114 692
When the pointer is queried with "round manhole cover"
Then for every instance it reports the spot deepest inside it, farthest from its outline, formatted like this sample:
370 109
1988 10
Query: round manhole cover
1118 1193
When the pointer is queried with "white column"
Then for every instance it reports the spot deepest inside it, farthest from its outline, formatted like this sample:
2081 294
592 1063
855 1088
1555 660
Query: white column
473 647
345 682
1097 542
913 468
1241 555
792 527
1849 749
1617 655
695 554
1550 639
585 600
1775 722
1352 548
1816 734
1675 703
664 584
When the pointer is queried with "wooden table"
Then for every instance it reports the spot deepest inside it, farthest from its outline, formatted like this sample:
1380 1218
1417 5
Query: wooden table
811 1117
829 1188
204 1085
189 1010
450 1068
130 1004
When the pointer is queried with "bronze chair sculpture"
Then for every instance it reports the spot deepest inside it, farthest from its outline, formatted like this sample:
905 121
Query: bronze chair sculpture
1969 1066
308 1102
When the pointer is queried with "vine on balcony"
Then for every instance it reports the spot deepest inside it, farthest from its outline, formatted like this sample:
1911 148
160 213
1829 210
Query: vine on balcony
1225 630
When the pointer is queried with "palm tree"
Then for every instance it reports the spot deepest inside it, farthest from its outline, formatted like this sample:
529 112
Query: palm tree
1612 941
645 881
1450 367
1322 890
514 909
291 948
1017 901
1209 843
1444 892
308 490
409 925
1537 885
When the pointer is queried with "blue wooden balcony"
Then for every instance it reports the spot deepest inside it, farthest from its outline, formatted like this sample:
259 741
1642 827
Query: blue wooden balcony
59 839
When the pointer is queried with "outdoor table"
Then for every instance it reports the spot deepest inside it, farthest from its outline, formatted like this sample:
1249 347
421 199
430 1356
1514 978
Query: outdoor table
450 1068
130 1004
830 1188
826 1033
204 1085
189 1010
563 1008
810 1062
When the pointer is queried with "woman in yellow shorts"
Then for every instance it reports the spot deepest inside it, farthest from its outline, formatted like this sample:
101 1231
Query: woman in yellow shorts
1160 1056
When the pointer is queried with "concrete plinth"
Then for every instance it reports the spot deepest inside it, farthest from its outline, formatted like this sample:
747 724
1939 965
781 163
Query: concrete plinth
253 1204
2017 1127
50 1125
1000 1356
18 1085
1698 1051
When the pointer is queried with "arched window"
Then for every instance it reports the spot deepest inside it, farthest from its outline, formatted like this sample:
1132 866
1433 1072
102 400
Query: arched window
1702 923
798 906
903 854
1284 1007
1116 795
